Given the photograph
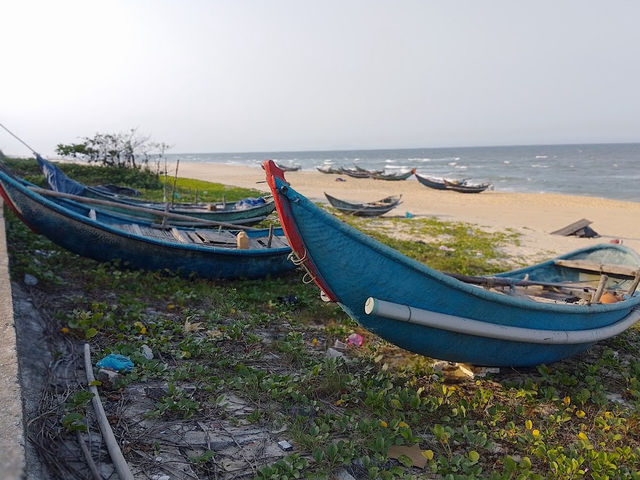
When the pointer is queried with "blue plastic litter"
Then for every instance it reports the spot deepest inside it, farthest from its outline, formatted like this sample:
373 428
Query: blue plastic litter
409 215
116 362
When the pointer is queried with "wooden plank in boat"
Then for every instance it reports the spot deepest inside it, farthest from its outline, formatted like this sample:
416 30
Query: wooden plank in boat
217 237
135 229
180 236
195 238
620 270
276 242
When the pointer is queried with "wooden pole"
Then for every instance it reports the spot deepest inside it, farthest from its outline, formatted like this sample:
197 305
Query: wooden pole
635 283
508 282
175 179
134 208
595 298
270 238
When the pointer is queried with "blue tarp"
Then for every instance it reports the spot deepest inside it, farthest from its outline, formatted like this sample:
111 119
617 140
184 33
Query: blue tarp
57 180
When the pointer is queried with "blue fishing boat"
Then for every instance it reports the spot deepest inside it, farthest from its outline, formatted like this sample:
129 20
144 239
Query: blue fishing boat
394 176
368 209
461 186
248 211
520 321
106 236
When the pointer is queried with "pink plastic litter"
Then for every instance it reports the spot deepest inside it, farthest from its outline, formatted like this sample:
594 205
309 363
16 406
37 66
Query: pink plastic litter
355 340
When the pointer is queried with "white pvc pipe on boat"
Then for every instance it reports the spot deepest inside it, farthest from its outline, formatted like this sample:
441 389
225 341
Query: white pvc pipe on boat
467 326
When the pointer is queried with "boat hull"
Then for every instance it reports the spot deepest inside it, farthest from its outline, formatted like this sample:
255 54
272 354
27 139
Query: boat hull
365 268
105 241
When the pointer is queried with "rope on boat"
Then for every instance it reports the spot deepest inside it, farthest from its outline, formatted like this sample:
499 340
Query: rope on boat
309 276
19 139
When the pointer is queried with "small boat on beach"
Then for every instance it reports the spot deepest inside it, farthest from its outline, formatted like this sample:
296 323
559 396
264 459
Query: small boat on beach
329 169
539 314
244 212
394 175
359 172
431 182
105 236
293 167
466 187
461 186
371 209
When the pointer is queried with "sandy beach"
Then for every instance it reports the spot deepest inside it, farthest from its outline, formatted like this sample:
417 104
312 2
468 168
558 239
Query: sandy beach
533 216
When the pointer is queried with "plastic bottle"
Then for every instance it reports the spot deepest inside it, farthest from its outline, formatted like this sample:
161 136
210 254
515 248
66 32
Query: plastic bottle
242 241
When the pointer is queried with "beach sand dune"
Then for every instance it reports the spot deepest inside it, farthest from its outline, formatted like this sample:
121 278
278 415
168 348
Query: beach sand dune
533 216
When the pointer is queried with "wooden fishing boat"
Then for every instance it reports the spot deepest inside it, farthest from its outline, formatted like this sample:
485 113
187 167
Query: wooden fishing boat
462 186
371 209
105 236
394 175
352 172
434 314
359 172
328 169
431 182
288 167
243 212
466 187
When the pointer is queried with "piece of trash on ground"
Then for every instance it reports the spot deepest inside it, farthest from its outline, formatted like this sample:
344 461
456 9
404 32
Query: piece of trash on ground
284 445
333 353
338 345
288 300
444 248
409 215
116 362
147 352
355 340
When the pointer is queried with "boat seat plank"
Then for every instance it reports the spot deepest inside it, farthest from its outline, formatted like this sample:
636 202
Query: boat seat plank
277 241
218 238
609 269
180 236
195 238
222 236
134 228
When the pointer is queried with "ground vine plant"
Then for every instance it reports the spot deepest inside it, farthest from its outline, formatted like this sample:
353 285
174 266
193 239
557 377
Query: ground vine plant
239 366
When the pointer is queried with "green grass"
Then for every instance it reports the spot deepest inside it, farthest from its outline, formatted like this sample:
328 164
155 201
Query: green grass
151 185
241 337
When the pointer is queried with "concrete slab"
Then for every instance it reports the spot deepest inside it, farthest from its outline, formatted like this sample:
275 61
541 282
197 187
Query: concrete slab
12 438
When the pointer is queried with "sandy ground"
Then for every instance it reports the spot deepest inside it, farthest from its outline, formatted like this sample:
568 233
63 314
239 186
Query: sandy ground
533 216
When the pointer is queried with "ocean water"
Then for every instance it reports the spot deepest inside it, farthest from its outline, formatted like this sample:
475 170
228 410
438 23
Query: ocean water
601 170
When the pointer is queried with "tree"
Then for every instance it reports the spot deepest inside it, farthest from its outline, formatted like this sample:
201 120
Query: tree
124 150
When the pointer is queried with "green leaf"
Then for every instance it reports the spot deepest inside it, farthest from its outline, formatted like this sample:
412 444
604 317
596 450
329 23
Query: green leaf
90 333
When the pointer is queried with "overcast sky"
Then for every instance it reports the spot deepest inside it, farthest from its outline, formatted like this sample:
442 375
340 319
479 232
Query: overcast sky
241 75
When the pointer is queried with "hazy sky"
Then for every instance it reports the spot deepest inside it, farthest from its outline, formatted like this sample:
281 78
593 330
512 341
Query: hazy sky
240 75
